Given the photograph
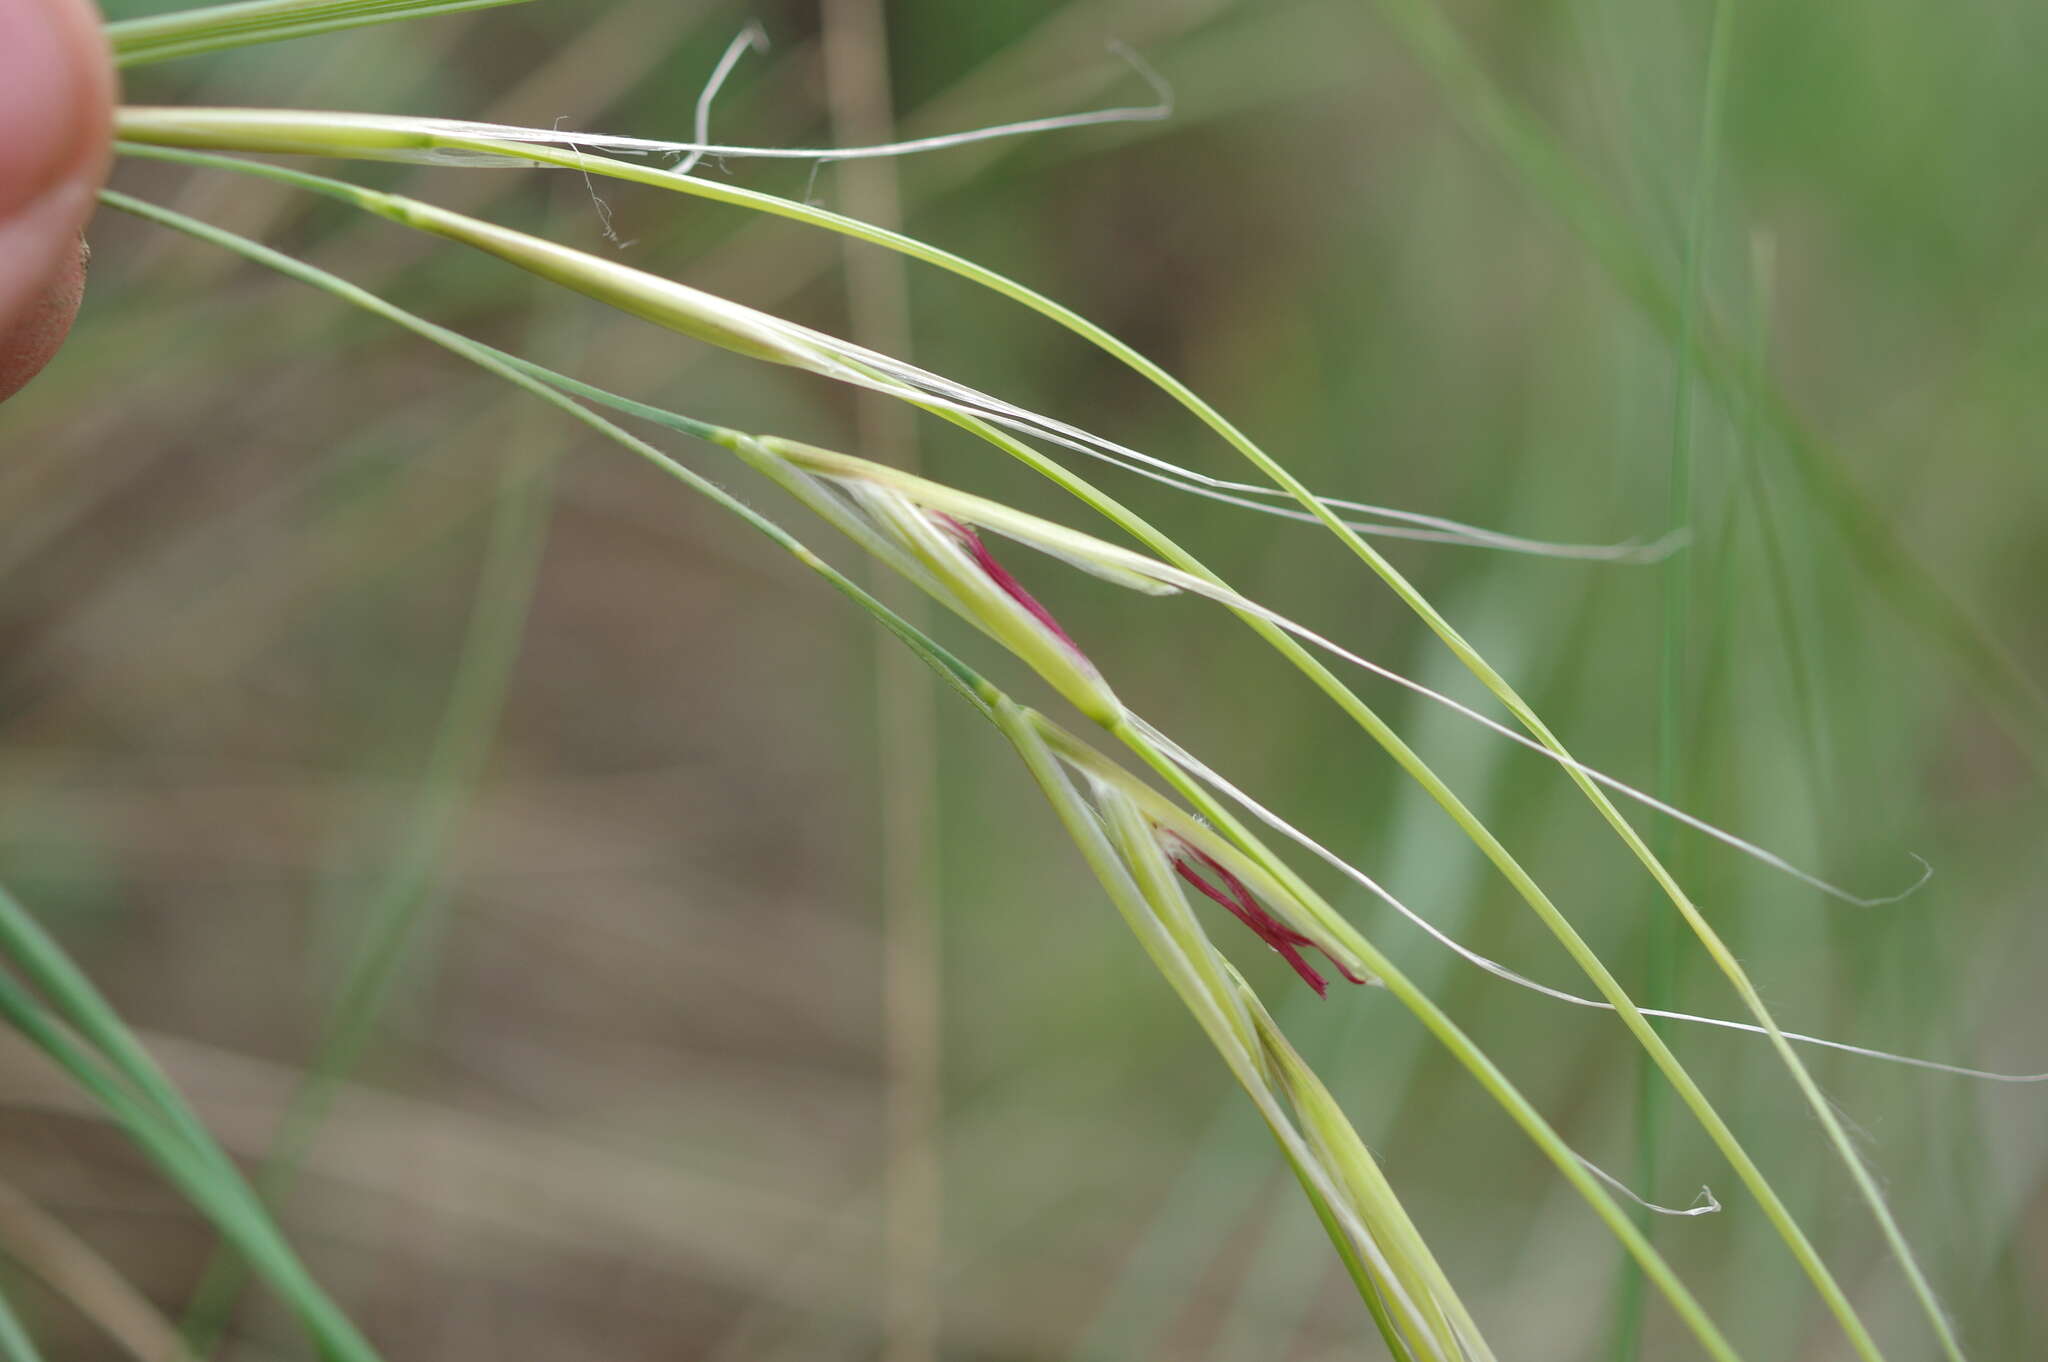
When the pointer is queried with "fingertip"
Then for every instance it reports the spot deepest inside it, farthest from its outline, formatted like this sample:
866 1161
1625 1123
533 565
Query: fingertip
56 97
39 329
57 91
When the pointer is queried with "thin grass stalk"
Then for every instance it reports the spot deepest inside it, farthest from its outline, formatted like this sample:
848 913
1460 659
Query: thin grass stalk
196 1166
1795 644
1661 949
134 1089
33 951
858 94
15 1343
220 28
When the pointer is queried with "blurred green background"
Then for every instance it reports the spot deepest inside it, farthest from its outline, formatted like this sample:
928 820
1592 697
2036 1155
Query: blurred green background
305 626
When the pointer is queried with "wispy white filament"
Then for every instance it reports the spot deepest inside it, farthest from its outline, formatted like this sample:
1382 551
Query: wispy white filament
1196 768
1647 800
900 378
1704 1205
613 144
751 38
969 401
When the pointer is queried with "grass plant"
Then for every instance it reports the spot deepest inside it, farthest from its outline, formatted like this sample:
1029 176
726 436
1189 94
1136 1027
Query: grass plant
1164 846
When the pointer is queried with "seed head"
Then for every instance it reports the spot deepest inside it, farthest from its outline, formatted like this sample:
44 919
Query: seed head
1246 908
1001 576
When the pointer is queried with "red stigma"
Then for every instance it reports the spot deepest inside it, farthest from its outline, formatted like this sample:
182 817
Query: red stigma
1000 575
1247 909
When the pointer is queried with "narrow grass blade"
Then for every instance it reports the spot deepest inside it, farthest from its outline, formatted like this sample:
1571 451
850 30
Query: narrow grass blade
219 28
158 1121
1660 970
15 1343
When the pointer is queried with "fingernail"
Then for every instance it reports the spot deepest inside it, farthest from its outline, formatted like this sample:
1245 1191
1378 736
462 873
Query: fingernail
48 86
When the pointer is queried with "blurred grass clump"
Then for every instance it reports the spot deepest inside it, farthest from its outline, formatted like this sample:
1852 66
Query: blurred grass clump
310 631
